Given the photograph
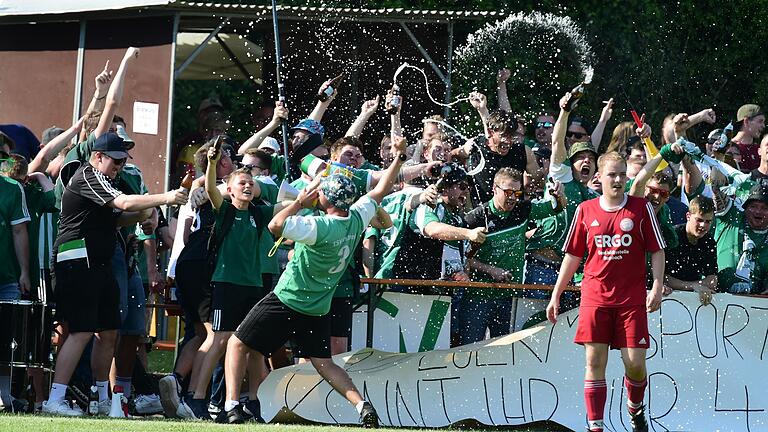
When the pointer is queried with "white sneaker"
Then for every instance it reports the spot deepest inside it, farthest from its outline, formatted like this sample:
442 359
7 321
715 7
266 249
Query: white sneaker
169 395
147 404
184 411
105 407
62 408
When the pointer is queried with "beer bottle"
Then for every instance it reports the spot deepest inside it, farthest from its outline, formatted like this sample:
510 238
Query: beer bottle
395 101
186 182
327 91
576 94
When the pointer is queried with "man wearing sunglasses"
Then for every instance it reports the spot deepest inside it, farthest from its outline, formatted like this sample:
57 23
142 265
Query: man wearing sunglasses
544 125
502 257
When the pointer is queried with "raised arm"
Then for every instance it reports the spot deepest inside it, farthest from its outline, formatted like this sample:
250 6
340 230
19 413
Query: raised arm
366 112
559 153
501 89
278 116
99 99
54 146
321 106
210 177
605 115
385 182
115 93
480 103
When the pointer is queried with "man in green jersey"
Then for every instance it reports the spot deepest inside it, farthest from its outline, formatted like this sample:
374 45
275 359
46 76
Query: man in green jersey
574 169
237 280
501 258
742 242
298 308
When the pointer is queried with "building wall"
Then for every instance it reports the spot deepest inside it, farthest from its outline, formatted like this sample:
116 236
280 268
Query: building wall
38 71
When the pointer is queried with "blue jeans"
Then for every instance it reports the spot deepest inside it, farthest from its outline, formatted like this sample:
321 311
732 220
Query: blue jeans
537 273
132 299
483 313
10 292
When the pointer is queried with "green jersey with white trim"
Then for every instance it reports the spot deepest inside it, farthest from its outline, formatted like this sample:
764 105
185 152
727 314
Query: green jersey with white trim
324 248
389 240
742 253
239 258
551 231
13 211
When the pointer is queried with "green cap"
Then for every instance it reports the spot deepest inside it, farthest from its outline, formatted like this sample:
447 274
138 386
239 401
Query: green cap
580 147
748 111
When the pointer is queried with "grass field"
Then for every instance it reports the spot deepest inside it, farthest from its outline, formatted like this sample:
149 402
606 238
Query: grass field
38 423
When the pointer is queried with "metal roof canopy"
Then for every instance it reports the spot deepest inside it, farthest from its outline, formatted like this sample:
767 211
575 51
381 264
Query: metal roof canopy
43 9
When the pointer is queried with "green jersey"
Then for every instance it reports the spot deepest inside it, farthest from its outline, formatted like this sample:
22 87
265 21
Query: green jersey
38 204
360 177
268 196
389 241
504 245
13 211
239 257
742 253
369 166
277 168
551 231
324 248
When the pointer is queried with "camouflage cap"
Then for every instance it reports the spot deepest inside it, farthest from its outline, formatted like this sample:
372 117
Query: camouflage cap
339 190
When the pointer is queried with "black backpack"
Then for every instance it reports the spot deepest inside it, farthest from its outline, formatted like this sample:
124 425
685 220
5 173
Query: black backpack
216 239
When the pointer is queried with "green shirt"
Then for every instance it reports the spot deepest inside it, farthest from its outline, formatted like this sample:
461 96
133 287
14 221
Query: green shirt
38 203
277 168
504 245
324 248
13 211
389 240
369 166
551 231
239 257
269 190
731 233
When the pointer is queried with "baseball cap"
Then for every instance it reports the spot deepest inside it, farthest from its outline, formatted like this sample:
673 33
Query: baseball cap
209 102
50 133
111 145
270 143
450 174
759 192
748 111
310 126
580 147
339 190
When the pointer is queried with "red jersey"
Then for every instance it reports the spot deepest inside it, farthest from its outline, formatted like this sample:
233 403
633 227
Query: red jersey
616 241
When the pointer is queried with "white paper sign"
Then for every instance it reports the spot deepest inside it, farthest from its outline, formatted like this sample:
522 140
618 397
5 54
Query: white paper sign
706 367
145 117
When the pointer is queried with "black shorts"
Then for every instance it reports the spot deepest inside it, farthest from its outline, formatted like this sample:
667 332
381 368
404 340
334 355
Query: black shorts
88 299
270 323
341 317
231 303
195 289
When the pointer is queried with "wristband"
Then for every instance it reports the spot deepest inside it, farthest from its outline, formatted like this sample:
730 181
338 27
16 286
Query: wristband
670 156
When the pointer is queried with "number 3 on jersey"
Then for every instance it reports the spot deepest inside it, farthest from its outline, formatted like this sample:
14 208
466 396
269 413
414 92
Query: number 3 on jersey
343 255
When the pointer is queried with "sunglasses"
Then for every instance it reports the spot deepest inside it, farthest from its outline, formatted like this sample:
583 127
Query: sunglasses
251 167
545 125
662 193
509 193
575 135
118 162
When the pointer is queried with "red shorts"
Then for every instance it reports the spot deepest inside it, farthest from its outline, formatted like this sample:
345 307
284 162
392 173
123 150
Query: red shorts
619 327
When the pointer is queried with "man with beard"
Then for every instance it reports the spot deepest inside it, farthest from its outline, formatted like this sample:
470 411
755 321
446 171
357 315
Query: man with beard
430 226
573 169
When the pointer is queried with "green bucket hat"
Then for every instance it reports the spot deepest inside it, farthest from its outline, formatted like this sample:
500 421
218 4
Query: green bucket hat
580 147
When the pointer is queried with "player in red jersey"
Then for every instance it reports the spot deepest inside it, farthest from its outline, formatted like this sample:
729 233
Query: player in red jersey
615 231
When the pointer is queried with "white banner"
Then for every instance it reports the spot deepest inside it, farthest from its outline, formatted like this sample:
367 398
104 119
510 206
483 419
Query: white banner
706 370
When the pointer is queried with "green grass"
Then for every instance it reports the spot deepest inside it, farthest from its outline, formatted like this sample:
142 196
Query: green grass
160 362
40 423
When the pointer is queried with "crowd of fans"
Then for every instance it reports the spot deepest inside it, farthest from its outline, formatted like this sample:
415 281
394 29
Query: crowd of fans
495 208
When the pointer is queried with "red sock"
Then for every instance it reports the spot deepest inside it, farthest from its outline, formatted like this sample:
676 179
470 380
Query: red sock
595 394
635 392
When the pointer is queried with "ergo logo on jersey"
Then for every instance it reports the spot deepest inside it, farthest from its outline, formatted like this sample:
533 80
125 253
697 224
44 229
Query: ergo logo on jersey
613 241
